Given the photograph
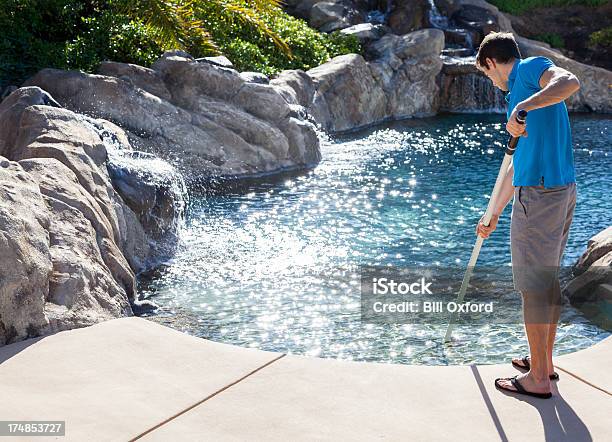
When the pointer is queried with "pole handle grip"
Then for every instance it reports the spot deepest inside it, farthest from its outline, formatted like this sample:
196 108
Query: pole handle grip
512 142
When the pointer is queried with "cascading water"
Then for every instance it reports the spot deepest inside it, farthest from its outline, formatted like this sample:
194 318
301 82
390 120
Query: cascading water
464 91
462 88
151 187
378 15
436 19
462 38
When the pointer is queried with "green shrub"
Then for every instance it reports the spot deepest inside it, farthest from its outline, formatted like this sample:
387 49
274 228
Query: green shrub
111 37
250 50
22 50
66 34
555 40
603 37
520 6
79 34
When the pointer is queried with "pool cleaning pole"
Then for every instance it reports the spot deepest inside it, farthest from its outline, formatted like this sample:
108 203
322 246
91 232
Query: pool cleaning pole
520 118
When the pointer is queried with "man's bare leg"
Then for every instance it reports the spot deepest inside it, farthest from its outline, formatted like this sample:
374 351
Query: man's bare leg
552 330
554 321
536 380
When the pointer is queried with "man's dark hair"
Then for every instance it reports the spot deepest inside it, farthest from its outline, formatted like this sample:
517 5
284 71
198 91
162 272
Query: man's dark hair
499 46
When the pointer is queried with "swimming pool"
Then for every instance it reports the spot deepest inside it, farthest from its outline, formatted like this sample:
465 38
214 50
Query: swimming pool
276 267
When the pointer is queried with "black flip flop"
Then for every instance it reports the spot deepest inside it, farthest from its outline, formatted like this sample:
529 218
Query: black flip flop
553 377
520 389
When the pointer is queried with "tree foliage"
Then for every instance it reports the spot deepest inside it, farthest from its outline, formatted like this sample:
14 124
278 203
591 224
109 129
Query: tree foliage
79 34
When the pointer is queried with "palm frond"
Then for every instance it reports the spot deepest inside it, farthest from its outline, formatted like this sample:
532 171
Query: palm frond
195 28
247 16
174 22
160 17
173 25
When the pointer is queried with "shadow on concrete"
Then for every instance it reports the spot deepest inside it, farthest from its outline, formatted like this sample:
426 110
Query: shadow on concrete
559 420
489 404
10 350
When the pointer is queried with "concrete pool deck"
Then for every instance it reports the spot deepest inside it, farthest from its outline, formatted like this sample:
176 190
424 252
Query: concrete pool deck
131 378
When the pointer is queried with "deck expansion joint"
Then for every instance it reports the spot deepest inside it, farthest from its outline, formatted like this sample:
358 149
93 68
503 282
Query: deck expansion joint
590 384
210 396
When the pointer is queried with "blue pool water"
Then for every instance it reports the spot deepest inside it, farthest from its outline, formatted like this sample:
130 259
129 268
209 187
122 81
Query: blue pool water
276 267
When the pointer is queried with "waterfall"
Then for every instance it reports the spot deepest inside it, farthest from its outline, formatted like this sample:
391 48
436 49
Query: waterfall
377 16
150 186
436 19
469 41
463 88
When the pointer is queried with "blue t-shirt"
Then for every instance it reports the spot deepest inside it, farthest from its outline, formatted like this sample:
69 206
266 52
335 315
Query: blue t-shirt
545 156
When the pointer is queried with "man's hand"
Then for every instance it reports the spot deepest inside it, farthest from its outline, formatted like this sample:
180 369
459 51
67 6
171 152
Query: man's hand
485 231
516 129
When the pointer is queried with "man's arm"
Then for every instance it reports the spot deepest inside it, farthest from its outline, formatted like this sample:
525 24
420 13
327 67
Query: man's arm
505 194
557 85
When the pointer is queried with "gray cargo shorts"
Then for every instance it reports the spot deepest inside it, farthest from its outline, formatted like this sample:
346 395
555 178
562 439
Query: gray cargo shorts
539 228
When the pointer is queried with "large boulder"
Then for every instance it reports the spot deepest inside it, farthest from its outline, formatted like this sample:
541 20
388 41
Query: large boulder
25 259
347 94
477 19
478 13
296 86
468 21
598 246
48 132
328 15
366 32
219 60
255 77
144 78
592 282
70 246
398 82
299 8
211 123
11 109
91 279
408 16
410 86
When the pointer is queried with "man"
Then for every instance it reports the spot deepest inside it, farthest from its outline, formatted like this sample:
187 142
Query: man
542 180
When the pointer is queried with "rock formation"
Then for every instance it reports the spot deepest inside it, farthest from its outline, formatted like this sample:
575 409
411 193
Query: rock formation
328 15
383 69
202 117
592 282
89 192
478 18
70 246
349 92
